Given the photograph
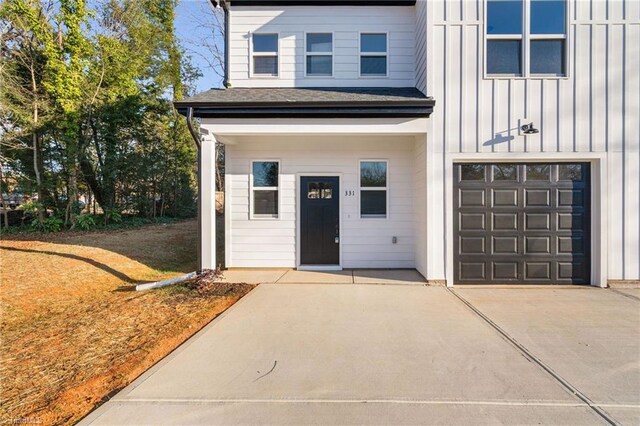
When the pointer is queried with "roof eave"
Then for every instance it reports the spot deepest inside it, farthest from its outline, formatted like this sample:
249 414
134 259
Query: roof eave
314 2
310 112
427 102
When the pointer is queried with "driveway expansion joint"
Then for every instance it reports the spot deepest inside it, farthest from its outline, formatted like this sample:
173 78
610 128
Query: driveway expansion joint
562 381
507 403
628 296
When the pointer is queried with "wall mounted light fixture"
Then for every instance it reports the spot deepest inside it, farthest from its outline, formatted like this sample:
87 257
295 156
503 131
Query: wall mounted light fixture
529 129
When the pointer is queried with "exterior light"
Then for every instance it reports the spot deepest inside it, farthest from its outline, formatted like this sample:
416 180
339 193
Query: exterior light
528 129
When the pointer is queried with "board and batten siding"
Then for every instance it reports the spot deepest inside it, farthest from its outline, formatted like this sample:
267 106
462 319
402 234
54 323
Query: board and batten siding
595 110
345 22
366 243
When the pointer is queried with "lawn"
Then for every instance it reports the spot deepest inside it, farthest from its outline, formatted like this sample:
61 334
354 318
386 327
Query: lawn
74 331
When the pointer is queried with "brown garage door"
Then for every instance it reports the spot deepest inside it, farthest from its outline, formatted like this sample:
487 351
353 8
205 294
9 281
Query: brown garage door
522 223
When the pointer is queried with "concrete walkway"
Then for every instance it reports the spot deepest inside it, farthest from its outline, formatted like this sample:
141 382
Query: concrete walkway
385 354
346 276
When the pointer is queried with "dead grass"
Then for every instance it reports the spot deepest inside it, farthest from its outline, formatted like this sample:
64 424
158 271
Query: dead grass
72 329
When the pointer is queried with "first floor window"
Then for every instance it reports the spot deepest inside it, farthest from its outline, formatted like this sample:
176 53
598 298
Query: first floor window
265 54
265 179
373 189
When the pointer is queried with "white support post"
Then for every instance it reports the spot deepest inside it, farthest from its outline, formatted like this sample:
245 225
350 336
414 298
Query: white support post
208 206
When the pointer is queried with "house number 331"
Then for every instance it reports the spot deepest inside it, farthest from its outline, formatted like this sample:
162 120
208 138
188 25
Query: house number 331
349 193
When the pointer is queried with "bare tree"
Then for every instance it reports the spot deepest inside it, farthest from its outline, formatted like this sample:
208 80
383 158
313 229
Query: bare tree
207 42
208 38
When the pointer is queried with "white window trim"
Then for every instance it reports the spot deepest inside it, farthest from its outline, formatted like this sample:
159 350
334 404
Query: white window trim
377 54
525 38
253 216
372 188
253 54
332 54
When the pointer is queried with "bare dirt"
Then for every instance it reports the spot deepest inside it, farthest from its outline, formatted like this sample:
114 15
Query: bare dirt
74 331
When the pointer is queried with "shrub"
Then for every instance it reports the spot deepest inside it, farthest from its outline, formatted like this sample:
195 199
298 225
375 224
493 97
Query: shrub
50 224
85 221
32 207
112 215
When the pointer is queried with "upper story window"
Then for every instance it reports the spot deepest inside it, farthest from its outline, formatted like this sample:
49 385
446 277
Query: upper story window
522 47
319 54
373 54
265 54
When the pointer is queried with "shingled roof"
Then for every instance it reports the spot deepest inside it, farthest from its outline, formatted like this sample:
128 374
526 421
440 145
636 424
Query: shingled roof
318 101
314 2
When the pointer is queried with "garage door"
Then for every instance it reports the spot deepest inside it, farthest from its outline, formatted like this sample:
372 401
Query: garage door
522 223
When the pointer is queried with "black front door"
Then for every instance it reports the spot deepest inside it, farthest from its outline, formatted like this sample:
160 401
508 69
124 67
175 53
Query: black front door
319 220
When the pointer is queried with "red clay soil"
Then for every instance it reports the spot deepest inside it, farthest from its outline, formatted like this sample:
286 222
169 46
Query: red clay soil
73 331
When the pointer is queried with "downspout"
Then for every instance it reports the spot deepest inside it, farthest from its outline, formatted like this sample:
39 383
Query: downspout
224 4
225 7
196 139
190 275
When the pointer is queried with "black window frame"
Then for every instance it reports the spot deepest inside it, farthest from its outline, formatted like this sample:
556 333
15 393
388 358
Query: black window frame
527 38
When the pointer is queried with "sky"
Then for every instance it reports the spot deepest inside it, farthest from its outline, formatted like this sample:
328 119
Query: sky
191 16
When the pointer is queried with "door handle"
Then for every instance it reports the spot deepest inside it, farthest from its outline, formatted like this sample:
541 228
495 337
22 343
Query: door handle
337 240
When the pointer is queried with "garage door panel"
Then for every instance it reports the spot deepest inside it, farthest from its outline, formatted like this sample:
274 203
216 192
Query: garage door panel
573 245
472 271
505 197
505 270
537 245
538 197
505 221
472 221
537 221
472 245
570 197
572 269
522 223
570 221
472 197
539 271
505 245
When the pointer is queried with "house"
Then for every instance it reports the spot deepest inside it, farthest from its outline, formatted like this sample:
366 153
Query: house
478 141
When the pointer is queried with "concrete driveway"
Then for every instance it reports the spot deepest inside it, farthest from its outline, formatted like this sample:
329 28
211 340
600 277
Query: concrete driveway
400 354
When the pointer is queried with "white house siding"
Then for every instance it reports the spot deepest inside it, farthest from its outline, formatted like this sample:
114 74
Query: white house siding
366 243
421 45
594 112
345 22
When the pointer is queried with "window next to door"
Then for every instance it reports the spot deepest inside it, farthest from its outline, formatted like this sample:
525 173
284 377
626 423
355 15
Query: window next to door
265 182
526 38
373 188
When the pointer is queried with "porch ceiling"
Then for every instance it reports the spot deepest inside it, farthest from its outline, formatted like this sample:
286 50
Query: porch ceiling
235 130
